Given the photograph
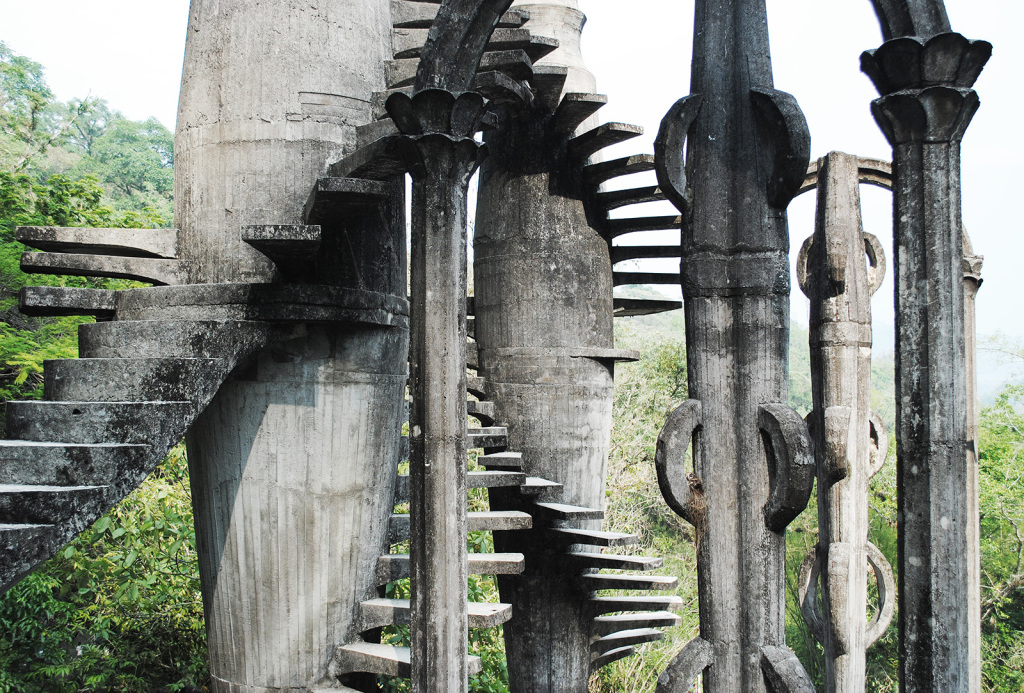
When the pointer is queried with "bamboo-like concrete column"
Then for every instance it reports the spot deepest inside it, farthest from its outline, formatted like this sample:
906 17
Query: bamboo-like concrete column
440 120
747 149
924 74
839 269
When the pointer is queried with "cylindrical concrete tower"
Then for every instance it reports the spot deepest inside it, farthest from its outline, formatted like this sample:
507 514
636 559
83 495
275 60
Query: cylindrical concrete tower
293 463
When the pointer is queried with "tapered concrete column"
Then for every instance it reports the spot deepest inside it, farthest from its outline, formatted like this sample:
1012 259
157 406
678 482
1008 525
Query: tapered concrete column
293 464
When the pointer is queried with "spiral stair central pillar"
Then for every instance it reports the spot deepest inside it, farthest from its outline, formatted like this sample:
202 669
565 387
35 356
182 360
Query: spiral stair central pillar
293 463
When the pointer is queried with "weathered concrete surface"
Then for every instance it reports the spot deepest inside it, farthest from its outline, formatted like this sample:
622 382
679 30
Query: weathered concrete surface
543 290
746 149
839 268
926 105
292 463
972 282
271 92
291 471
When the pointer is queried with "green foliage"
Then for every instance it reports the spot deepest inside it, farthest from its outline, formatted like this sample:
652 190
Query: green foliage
119 609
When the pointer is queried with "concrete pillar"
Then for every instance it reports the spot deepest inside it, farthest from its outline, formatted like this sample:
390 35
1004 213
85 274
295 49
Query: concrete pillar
293 464
543 285
972 282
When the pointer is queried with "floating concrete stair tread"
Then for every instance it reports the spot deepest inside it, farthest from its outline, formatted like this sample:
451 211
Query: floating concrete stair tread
132 380
562 511
607 605
630 278
600 660
376 613
489 437
46 504
606 170
538 486
48 301
594 537
574 108
24 546
613 228
333 196
628 582
231 340
67 464
160 243
476 386
592 141
419 14
472 356
515 63
479 521
621 253
608 561
143 269
623 638
632 307
482 410
98 422
548 82
369 132
501 460
409 42
385 660
380 160
486 479
613 199
396 566
292 247
606 625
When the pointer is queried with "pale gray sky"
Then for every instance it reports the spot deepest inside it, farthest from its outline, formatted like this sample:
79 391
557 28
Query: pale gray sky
129 52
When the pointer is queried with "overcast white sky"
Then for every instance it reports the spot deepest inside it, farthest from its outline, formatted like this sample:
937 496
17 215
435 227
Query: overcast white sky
129 52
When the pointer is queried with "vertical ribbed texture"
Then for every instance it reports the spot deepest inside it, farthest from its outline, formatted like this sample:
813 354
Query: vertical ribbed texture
270 95
291 476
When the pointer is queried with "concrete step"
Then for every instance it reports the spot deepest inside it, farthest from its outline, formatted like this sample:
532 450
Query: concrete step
501 460
22 547
594 537
607 605
99 422
385 660
628 582
574 108
376 613
486 479
74 507
48 301
592 141
625 638
604 171
420 15
493 521
607 561
122 242
600 660
481 411
541 489
561 512
396 566
202 339
157 271
490 437
632 307
133 380
614 199
408 43
606 625
34 463
476 386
